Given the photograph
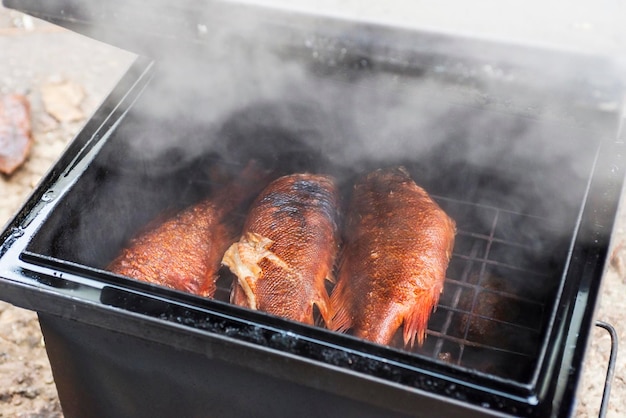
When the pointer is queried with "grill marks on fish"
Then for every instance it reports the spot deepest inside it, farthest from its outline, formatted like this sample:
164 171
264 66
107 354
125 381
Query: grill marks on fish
398 243
287 249
184 251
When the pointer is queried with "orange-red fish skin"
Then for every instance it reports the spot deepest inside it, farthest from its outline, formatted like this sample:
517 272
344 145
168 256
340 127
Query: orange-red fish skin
288 248
178 252
184 251
398 243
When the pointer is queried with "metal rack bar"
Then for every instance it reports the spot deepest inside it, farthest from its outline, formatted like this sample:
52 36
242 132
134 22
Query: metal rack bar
470 282
610 371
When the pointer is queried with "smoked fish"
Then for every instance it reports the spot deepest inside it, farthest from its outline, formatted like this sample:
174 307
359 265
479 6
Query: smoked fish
287 249
184 250
398 243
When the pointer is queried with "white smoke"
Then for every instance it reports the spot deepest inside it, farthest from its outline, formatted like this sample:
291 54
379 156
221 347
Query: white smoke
582 25
498 100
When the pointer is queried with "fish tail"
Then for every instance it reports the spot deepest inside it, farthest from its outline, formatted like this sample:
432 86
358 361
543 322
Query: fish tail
208 287
416 320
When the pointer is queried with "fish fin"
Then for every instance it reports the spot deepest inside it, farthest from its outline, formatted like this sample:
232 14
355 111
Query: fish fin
331 277
208 287
416 320
341 319
338 259
324 306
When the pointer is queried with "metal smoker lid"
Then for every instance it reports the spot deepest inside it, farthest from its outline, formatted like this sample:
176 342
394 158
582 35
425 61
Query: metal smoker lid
165 29
146 28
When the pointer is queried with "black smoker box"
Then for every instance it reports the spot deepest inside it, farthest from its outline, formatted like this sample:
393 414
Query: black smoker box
520 145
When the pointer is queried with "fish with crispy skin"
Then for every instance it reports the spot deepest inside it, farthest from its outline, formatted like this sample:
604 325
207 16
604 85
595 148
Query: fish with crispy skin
184 251
287 248
398 243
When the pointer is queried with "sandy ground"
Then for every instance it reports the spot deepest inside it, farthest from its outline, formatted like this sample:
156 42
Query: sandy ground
34 55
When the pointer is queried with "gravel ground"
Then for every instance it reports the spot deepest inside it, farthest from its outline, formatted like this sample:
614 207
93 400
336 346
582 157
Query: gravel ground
34 55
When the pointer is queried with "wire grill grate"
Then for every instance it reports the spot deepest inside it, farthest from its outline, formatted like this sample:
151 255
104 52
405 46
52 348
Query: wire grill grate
497 293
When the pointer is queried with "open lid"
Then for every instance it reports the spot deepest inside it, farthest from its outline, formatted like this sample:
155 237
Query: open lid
583 26
165 29
147 28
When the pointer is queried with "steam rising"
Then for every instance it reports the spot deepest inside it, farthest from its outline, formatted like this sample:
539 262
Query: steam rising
513 116
479 124
580 25
488 122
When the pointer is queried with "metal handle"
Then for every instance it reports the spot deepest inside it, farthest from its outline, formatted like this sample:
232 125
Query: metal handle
610 369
